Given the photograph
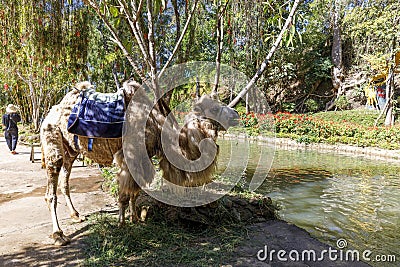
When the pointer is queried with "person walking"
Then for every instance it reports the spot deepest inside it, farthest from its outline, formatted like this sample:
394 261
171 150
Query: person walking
9 121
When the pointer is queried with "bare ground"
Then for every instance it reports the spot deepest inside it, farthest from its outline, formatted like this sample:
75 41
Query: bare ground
25 223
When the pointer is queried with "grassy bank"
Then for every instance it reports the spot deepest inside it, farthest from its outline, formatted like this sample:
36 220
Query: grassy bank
175 236
354 127
157 243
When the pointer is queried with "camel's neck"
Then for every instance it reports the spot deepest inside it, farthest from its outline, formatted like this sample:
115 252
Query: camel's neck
210 128
206 126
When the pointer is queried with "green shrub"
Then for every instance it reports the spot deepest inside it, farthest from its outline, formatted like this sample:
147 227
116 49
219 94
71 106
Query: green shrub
288 107
311 105
347 127
110 181
342 103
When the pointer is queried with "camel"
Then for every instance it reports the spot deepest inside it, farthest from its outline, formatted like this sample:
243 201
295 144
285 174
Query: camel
60 149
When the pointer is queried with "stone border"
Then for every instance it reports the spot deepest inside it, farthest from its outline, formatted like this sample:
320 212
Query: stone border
373 153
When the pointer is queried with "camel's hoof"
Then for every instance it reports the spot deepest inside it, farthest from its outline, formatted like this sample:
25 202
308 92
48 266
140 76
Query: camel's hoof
78 218
143 214
60 239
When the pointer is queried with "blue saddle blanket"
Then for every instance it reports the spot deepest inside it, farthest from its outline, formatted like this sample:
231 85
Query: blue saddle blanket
98 115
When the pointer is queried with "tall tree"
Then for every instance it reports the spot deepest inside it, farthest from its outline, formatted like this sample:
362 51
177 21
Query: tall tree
266 61
44 45
221 9
337 71
372 28
142 19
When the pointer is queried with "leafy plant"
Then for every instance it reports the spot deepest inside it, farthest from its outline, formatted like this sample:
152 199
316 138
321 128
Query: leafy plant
342 103
347 127
288 107
312 105
110 182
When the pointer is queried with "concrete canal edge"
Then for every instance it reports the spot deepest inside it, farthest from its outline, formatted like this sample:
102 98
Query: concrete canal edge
374 153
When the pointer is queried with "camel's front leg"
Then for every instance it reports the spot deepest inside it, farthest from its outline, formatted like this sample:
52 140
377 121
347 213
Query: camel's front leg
64 184
132 207
53 171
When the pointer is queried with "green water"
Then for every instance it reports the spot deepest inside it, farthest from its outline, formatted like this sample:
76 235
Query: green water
333 196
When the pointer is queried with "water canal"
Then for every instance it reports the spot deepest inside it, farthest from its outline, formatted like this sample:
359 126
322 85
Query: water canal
331 196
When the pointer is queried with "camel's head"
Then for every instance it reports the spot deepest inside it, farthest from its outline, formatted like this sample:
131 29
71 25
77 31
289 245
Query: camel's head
208 108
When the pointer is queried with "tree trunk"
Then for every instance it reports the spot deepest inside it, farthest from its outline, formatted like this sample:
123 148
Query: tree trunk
337 72
220 43
389 120
197 88
265 63
220 32
388 109
178 28
33 100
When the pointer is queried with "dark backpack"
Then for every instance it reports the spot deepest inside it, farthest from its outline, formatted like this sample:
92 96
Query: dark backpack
13 119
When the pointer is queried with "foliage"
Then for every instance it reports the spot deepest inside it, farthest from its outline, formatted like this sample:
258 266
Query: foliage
359 117
342 103
110 181
48 45
288 107
347 127
311 105
107 67
44 46
369 27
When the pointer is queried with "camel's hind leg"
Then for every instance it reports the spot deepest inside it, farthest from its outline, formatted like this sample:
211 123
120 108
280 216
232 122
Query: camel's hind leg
128 189
52 147
53 171
125 200
132 205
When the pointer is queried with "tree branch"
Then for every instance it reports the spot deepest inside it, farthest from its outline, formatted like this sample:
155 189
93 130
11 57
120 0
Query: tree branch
180 39
116 39
266 62
135 29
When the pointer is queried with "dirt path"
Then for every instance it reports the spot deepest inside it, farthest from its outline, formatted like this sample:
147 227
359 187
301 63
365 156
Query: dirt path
25 223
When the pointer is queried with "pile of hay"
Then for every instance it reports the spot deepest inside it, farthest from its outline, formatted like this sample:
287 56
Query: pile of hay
234 208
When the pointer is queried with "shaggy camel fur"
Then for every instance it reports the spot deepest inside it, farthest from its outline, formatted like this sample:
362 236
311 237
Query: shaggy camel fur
203 122
128 189
60 150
